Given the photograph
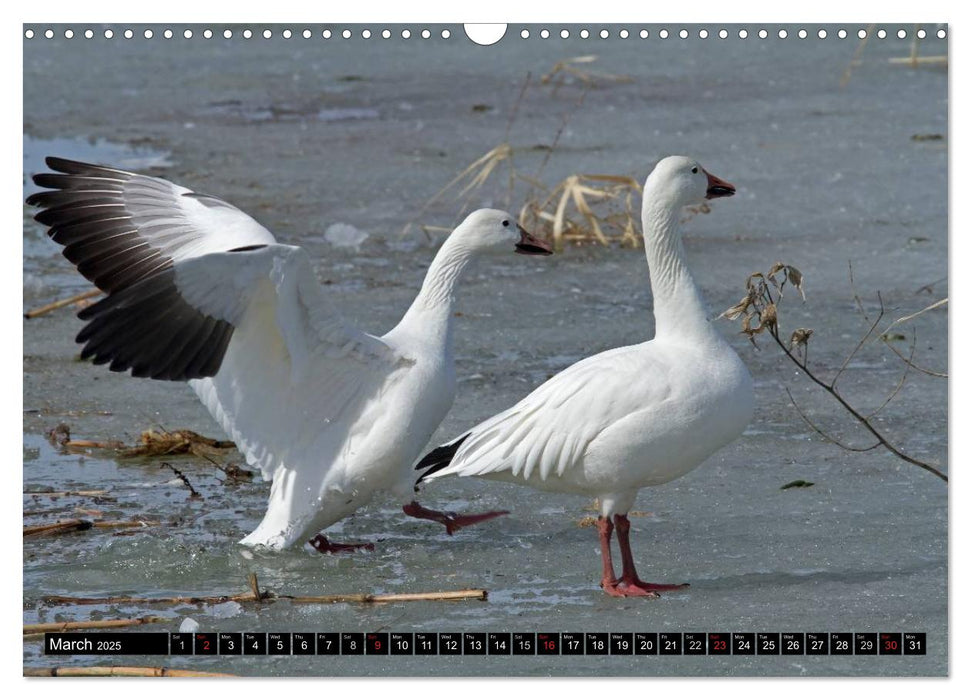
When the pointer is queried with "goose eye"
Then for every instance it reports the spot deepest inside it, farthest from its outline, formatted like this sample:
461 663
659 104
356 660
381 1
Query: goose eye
505 222
694 169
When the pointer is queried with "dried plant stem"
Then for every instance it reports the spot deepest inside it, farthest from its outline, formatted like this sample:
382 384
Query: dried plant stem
77 525
184 479
128 671
65 494
269 596
43 627
54 305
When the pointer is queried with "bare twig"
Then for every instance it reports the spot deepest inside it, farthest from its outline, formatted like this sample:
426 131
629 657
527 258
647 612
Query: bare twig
759 303
184 479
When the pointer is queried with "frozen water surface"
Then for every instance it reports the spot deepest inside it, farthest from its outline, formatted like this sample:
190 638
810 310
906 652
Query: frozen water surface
302 134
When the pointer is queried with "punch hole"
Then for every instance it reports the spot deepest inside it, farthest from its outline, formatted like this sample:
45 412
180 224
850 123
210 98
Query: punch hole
841 33
49 34
287 34
129 33
307 34
405 33
644 34
228 34
921 34
386 34
109 34
901 34
29 34
663 33
425 34
487 34
743 34
446 34
722 33
564 33
683 34
821 33
68 33
584 34
207 34
703 34
187 33
366 34
247 34
763 34
861 34
941 34
167 34
148 33
524 34
783 34
803 34
346 33
544 34
881 33
267 33
624 33
326 34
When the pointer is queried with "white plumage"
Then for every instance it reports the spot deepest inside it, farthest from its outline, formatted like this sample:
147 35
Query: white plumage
630 417
199 291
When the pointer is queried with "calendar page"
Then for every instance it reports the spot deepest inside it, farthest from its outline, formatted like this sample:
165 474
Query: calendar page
423 349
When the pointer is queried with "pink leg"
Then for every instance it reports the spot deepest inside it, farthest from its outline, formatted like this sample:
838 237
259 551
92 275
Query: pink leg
606 528
629 578
451 521
325 546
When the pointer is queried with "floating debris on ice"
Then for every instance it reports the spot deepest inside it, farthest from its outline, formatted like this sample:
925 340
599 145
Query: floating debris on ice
345 236
189 625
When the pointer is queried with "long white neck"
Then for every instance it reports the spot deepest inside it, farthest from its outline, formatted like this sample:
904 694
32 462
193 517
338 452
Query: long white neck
679 310
429 318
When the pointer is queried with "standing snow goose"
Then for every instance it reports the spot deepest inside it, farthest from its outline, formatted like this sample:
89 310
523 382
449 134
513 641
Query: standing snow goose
630 417
199 291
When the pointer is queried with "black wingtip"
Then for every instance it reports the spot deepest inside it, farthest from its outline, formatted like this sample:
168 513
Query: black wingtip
439 458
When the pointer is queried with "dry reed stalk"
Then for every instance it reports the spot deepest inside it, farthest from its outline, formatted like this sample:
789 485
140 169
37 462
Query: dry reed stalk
589 78
133 600
65 494
47 308
163 442
581 193
471 594
78 525
43 627
127 671
268 596
96 444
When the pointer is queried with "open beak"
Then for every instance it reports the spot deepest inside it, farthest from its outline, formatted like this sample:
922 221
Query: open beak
718 187
530 245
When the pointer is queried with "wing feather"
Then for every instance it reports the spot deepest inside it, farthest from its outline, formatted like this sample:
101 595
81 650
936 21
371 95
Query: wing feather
547 433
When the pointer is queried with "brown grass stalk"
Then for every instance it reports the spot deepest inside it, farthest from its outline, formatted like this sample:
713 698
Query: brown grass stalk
60 303
269 596
44 627
126 671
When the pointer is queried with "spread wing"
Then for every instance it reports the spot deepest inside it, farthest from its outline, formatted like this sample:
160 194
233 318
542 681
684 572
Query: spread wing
198 290
548 432
119 227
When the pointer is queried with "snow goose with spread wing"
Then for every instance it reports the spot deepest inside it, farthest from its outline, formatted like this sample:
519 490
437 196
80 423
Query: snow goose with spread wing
199 291
629 417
